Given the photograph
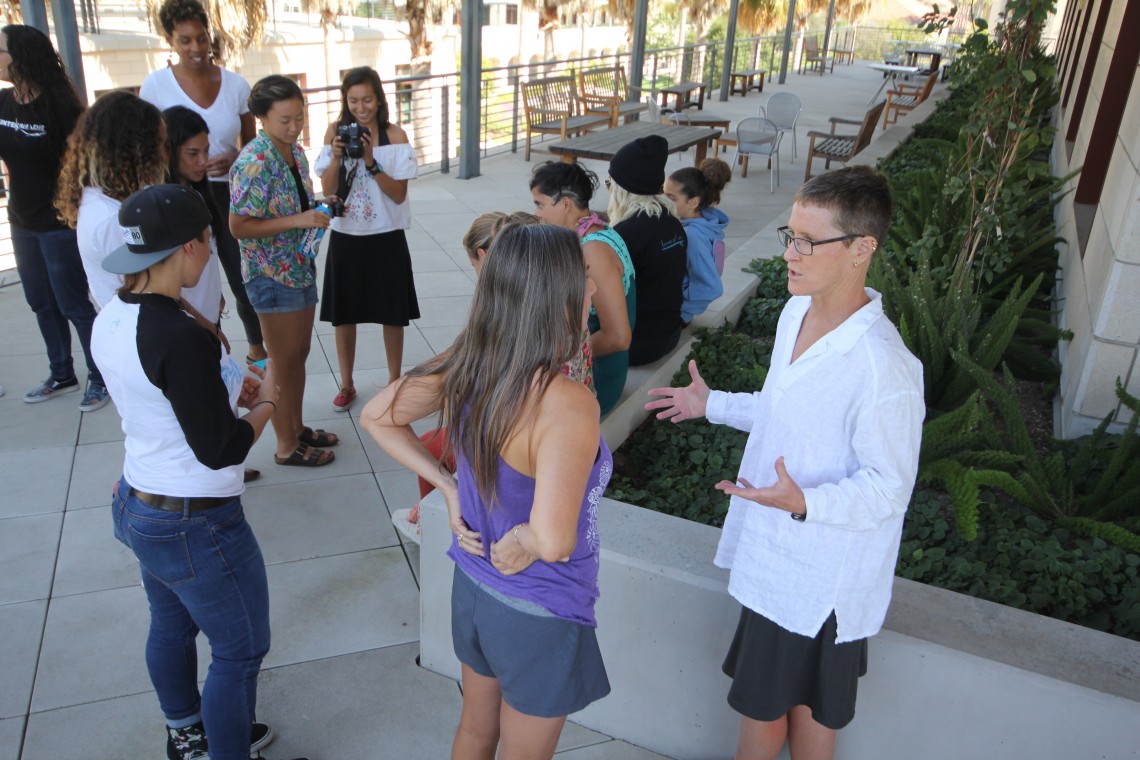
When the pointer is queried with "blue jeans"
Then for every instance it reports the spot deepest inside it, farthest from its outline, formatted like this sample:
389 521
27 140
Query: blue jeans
201 571
56 289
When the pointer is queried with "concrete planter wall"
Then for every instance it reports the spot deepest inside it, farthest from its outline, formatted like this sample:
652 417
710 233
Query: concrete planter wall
950 677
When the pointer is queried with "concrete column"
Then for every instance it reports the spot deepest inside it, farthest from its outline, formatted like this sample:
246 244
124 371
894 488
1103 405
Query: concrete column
470 84
35 14
729 48
787 41
637 50
67 37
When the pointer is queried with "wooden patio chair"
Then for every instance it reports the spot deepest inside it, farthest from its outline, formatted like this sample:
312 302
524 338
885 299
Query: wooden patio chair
906 97
552 108
813 58
842 148
604 89
844 49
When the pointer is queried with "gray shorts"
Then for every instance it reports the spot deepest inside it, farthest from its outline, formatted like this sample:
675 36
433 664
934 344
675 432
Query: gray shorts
546 666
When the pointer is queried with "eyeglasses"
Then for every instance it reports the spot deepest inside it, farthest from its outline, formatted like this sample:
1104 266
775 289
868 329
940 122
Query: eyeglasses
784 235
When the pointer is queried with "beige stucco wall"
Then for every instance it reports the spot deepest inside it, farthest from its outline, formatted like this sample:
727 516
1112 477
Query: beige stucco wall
1101 291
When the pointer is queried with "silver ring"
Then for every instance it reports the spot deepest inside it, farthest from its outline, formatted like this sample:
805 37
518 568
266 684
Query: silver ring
459 537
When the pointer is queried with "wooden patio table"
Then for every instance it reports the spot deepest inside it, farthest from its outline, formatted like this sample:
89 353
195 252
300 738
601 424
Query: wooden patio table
604 144
914 53
681 92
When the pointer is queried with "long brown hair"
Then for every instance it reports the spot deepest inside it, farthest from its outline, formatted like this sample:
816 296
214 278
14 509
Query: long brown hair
524 324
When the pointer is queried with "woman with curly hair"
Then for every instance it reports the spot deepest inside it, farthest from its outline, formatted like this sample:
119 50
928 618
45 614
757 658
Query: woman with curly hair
271 214
221 97
36 115
118 148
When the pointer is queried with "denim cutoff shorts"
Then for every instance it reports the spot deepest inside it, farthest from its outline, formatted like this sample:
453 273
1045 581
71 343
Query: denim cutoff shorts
546 666
268 296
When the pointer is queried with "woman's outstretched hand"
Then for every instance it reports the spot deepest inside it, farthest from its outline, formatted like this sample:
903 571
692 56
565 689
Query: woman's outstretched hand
784 494
679 404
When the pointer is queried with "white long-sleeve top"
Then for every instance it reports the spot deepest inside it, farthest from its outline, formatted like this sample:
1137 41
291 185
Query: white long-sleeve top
847 418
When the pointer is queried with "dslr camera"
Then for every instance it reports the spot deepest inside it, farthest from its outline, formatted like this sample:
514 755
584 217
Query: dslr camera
350 135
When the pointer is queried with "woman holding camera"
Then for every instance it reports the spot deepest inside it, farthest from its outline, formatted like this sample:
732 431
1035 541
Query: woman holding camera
366 163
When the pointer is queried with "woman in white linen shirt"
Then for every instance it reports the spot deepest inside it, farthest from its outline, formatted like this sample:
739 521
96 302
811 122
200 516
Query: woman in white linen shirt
368 273
833 444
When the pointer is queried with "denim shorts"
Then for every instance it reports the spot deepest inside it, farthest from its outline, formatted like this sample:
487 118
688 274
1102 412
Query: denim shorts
268 296
546 666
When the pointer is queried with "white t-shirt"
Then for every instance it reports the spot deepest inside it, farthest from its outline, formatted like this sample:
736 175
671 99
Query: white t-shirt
223 117
99 234
367 210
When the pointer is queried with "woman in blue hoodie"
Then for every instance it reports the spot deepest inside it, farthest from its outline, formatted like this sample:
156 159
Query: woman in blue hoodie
694 193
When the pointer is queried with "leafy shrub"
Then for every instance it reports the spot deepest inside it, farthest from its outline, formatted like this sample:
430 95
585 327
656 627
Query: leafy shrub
1022 561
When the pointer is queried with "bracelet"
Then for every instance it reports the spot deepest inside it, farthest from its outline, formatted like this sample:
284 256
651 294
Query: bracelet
798 517
259 403
515 533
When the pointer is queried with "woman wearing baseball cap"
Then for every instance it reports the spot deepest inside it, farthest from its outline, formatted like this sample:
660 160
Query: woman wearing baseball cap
178 503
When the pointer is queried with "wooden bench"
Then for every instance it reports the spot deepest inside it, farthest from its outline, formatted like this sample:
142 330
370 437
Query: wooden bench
553 108
604 89
813 58
906 97
746 79
842 148
682 92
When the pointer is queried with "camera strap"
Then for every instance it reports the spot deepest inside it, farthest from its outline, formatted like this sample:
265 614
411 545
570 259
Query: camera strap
344 181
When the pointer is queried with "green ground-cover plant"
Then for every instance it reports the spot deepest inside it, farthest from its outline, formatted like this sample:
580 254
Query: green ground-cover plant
1024 561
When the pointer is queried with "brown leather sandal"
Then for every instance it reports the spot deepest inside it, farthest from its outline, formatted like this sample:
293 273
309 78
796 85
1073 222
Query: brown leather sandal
303 456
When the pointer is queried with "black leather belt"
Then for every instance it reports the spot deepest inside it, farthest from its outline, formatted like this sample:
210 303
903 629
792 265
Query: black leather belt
178 503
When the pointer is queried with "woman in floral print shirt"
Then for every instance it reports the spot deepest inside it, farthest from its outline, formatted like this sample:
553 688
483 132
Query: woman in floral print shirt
271 212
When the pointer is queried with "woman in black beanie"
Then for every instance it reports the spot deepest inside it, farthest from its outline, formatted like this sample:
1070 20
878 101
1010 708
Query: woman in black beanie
656 241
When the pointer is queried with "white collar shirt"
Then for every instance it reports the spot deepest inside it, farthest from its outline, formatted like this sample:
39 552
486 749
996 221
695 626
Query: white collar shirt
847 418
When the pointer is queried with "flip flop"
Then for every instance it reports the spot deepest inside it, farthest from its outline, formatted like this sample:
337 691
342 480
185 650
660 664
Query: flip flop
322 439
303 456
251 475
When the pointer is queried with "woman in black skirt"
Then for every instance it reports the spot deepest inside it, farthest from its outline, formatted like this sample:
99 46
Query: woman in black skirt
367 162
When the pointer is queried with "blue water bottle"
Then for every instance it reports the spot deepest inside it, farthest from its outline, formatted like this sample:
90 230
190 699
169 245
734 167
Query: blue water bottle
313 235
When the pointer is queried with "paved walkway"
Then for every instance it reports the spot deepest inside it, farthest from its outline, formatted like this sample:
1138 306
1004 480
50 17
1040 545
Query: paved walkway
341 680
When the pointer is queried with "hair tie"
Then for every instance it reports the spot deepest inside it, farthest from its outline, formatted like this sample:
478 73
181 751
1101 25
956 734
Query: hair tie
587 222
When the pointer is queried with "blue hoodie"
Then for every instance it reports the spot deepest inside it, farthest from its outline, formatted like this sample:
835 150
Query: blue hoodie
702 284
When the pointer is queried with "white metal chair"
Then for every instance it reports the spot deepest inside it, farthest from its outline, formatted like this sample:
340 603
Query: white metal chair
783 109
680 119
757 136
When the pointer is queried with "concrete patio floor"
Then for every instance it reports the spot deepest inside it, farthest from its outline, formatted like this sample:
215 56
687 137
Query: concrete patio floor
341 680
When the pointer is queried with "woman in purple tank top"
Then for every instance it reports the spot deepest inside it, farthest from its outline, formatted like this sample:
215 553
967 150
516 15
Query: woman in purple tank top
532 467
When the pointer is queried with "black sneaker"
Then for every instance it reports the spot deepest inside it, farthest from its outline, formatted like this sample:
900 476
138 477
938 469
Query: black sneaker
51 388
190 743
186 743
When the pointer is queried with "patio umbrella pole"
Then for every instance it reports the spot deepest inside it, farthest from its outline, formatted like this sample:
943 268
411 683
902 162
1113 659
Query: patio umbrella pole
730 49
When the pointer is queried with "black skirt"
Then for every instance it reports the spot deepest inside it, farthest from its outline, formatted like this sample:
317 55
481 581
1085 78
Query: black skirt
774 670
368 279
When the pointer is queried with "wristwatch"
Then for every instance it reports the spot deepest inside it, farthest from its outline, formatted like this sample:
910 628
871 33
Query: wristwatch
375 169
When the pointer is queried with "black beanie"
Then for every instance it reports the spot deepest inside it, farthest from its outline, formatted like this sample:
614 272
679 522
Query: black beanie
639 166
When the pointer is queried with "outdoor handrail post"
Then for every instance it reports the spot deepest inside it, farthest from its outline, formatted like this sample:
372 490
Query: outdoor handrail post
729 48
445 130
515 116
